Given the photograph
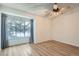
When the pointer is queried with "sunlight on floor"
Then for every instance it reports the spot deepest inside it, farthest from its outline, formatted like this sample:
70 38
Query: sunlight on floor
22 50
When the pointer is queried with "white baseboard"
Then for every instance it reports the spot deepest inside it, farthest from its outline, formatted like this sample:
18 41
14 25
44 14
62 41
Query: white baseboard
69 43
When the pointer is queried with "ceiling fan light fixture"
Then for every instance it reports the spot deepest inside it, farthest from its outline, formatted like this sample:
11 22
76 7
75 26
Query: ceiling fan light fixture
56 10
55 7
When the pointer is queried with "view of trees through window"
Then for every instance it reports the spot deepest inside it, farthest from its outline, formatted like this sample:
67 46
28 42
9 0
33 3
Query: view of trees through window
17 27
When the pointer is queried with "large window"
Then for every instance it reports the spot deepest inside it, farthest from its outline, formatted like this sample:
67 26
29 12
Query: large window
18 30
15 30
18 27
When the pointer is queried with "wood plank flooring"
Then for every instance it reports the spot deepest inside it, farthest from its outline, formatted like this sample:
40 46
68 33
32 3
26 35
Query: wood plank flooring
48 48
19 50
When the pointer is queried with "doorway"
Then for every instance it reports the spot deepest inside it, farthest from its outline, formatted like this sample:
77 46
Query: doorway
15 30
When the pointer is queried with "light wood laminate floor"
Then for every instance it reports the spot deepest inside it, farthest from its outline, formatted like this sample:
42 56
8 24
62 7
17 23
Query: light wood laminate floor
48 48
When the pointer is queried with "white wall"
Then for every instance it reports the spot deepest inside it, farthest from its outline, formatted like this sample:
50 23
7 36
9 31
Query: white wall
43 27
66 28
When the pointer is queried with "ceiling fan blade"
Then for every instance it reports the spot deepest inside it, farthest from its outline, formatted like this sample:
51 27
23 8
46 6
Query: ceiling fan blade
64 9
47 13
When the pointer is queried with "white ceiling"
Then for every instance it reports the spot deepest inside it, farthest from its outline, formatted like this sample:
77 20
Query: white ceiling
37 8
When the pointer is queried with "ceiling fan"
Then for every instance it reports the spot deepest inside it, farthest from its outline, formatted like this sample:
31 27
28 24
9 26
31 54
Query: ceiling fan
57 10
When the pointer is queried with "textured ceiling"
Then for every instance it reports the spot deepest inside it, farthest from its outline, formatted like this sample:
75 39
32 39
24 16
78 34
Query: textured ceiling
37 8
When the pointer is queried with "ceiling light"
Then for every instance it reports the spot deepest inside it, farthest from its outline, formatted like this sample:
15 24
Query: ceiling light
55 7
57 10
